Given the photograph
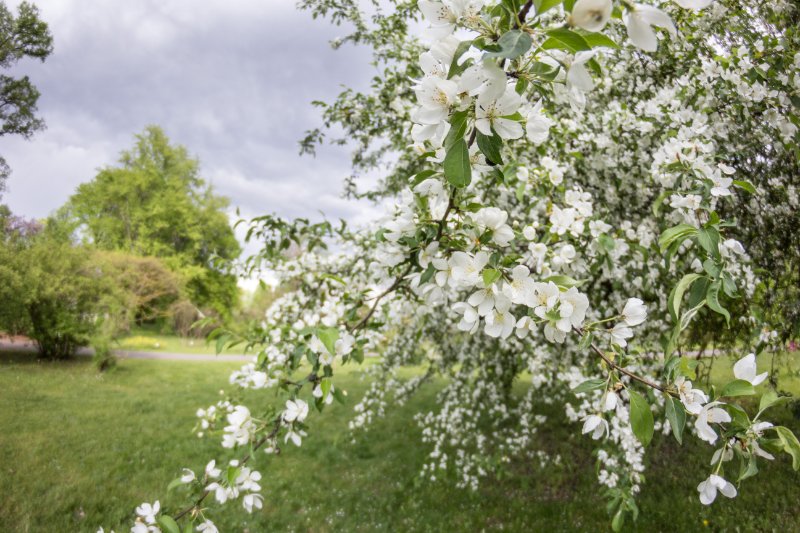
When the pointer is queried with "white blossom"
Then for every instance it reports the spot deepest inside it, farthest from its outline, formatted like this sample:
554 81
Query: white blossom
708 489
639 22
745 368
591 15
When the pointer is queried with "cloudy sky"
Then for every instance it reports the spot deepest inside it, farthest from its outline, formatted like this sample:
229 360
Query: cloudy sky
232 80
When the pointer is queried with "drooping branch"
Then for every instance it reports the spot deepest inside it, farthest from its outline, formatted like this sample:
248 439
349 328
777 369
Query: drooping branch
623 370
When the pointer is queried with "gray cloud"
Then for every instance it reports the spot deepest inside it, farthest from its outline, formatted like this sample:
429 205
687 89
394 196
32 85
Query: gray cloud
232 81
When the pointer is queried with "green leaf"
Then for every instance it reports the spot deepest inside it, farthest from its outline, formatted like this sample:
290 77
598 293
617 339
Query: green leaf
675 234
490 147
596 40
544 5
618 521
325 385
458 128
712 298
770 399
220 344
174 483
422 176
738 415
338 395
512 44
169 524
659 201
728 285
543 71
563 281
490 275
711 268
564 39
746 185
589 384
457 168
677 418
686 367
455 68
676 296
738 387
708 238
790 444
641 418
749 469
328 337
428 274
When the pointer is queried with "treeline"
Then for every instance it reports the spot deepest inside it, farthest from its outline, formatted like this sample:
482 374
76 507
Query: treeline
145 242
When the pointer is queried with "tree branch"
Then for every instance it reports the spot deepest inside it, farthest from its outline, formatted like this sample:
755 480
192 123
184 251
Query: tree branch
246 458
623 370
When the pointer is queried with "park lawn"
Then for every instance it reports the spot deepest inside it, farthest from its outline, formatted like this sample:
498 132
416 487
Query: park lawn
80 449
150 339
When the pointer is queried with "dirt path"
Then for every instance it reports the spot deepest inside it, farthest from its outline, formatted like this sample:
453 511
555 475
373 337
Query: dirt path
18 346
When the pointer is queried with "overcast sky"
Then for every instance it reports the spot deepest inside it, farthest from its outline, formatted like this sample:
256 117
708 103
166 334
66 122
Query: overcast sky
232 80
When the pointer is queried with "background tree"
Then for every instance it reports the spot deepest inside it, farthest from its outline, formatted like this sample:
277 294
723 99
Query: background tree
25 35
155 204
51 290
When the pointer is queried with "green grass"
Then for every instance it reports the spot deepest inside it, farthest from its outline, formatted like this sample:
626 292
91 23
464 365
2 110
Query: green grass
152 340
81 449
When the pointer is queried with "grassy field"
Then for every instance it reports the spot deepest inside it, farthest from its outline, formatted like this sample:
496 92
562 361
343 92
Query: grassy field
151 340
80 449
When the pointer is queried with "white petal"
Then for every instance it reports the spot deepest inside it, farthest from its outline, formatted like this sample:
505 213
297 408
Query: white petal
640 33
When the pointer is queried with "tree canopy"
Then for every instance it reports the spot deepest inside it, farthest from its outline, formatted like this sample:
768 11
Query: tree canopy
578 194
23 35
154 203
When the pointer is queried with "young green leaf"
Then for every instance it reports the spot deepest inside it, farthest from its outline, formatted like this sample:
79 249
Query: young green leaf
677 418
428 274
457 168
490 275
490 147
738 387
328 337
512 44
712 297
675 298
596 40
790 444
641 418
169 524
589 384
543 5
746 185
564 39
675 234
770 399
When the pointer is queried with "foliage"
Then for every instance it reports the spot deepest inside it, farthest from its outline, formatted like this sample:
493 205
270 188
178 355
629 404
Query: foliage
56 297
155 204
23 35
150 288
574 210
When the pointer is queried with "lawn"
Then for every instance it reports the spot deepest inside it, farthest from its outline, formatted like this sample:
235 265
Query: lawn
153 340
81 449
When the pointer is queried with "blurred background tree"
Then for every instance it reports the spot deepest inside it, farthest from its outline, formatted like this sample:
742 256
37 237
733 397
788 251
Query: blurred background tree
155 204
24 35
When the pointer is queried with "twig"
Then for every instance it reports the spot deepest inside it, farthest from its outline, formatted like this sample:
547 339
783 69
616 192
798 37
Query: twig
523 13
398 280
623 370
246 458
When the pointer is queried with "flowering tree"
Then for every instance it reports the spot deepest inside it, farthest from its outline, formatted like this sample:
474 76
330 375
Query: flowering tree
578 193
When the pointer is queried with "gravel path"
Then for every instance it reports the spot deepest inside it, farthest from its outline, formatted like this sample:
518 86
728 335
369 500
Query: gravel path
27 347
